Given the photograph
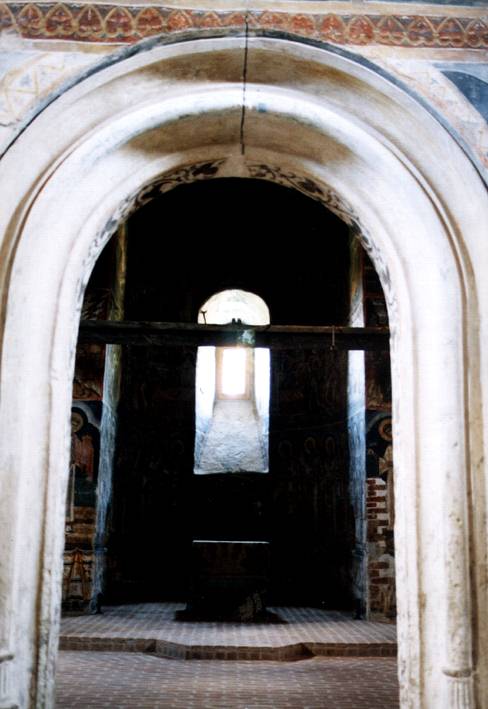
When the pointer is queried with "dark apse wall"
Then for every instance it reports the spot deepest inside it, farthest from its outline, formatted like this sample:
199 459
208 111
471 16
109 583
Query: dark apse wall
183 247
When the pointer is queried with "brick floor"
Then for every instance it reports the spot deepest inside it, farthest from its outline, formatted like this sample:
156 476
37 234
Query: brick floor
140 681
300 632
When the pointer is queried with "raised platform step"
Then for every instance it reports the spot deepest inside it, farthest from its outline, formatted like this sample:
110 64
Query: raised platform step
286 653
296 634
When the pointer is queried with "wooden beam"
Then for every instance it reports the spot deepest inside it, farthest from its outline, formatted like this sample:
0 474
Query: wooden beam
282 337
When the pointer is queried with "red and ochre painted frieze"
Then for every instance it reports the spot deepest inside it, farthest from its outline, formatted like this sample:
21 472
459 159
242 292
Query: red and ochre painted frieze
130 23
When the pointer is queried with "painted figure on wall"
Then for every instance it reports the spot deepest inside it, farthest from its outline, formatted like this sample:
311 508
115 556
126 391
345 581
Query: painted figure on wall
88 379
77 576
85 446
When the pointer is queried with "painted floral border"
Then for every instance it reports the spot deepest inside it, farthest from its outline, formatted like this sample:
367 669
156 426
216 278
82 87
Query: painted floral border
116 24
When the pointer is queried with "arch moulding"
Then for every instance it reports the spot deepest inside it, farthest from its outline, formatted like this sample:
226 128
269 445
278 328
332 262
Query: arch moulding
321 122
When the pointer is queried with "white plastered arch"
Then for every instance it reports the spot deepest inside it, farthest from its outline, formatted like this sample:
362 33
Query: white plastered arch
374 154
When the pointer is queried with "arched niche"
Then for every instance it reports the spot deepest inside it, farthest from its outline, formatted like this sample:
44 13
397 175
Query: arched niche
310 118
249 368
234 304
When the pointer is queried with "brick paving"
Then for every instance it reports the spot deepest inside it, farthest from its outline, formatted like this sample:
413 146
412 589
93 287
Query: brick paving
298 633
141 681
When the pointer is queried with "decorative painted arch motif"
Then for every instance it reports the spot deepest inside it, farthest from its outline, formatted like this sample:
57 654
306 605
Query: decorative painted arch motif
343 134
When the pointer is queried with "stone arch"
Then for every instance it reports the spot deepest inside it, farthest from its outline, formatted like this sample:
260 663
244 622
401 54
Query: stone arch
336 129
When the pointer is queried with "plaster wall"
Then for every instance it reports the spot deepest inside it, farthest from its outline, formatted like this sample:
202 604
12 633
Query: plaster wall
437 49
320 121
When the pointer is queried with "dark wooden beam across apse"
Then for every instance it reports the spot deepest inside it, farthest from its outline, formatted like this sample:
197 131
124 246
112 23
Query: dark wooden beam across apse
279 337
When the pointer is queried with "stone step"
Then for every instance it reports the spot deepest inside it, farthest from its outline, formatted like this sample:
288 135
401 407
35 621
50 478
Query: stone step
285 653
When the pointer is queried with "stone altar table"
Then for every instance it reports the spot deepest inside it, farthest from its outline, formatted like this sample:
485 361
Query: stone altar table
229 580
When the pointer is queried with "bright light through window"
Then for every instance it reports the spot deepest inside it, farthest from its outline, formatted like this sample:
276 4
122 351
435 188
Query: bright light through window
234 371
232 387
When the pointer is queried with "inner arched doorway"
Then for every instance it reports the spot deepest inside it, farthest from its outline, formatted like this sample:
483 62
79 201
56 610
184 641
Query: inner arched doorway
308 511
303 504
345 133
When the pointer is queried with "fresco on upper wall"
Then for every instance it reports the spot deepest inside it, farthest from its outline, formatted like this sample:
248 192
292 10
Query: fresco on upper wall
379 459
457 3
91 446
379 444
89 371
28 77
472 80
378 381
354 24
81 504
85 449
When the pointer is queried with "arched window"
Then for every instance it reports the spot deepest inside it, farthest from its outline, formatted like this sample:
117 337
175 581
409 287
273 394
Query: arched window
232 391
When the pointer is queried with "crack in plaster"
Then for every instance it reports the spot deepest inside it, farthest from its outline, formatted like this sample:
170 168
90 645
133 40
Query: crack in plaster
244 84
